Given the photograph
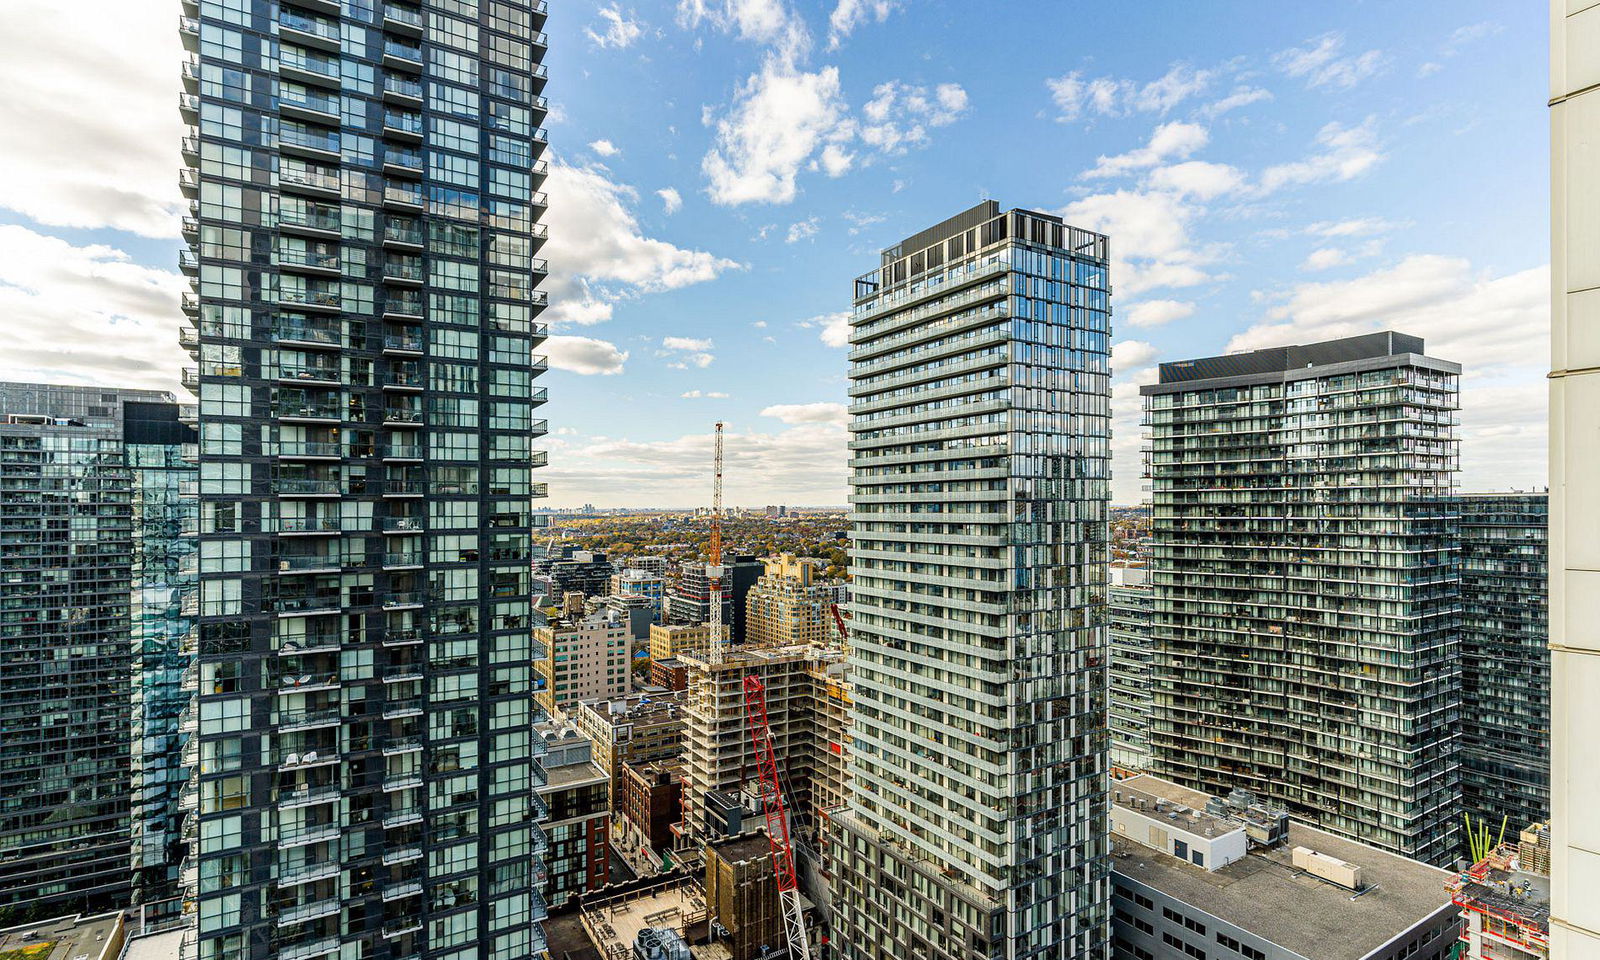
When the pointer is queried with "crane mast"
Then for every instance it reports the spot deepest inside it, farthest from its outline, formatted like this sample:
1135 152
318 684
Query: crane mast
794 927
714 560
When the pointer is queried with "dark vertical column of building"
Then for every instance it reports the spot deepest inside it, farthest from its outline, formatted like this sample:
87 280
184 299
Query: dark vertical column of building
1505 657
365 217
1306 593
980 404
67 523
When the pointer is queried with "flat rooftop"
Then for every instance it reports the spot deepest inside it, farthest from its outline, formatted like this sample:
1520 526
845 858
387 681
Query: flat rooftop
1192 817
746 847
573 773
680 906
1267 895
64 938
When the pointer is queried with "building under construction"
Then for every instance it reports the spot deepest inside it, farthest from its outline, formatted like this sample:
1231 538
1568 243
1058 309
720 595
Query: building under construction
1505 900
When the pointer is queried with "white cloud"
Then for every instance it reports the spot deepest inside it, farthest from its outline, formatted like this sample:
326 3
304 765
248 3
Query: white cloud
1325 258
685 352
1157 313
1169 140
798 413
1322 63
1346 153
86 314
1428 69
759 324
703 395
605 148
597 254
1470 33
899 115
803 230
1242 96
849 13
1465 316
1127 355
671 200
832 329
780 120
88 127
585 355
1152 246
861 221
1354 227
1198 178
1076 97
619 32
767 22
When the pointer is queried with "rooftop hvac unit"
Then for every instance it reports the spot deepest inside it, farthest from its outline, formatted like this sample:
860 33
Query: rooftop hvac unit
660 943
1331 869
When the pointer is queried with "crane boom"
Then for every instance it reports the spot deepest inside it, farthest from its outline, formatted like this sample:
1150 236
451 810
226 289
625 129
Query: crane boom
794 927
714 559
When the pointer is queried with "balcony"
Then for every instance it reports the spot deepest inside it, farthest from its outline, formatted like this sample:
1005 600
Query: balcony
328 333
402 451
310 948
289 838
408 637
404 88
402 525
402 745
323 107
404 488
402 123
189 182
402 19
311 261
308 139
308 605
401 672
408 161
322 221
315 910
310 720
190 378
403 380
407 195
289 410
311 758
290 487
402 55
189 28
399 928
410 888
313 563
296 64
313 31
190 304
404 560
403 818
189 339
309 450
395 305
306 873
399 709
402 233
191 228
405 417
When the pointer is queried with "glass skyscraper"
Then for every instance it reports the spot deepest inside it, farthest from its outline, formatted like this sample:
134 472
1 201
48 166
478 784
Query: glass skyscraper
67 522
364 182
980 425
1505 657
1129 602
1306 602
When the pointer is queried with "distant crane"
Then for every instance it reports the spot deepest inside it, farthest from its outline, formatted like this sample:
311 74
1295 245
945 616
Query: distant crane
838 619
794 926
714 560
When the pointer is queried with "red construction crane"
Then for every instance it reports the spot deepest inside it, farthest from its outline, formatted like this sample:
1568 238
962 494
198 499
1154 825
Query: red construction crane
794 927
838 618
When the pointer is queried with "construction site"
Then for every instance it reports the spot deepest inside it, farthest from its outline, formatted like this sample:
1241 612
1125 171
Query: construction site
1505 900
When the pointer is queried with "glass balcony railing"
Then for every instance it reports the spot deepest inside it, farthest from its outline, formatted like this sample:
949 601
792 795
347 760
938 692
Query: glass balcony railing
330 333
410 16
308 178
308 258
403 525
309 100
309 218
310 487
309 524
402 415
330 602
404 86
311 139
408 558
403 231
407 193
315 26
397 269
402 121
309 297
410 159
404 306
402 51
297 59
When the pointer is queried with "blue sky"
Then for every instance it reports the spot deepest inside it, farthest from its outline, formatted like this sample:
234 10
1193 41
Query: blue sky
1269 173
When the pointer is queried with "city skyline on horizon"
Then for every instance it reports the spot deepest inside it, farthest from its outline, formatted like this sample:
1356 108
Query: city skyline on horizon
1259 178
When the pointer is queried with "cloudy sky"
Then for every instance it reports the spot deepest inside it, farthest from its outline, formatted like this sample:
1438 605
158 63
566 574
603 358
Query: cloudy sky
722 169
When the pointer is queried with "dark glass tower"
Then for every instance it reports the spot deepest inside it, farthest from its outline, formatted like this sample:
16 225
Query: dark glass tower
1305 587
1505 657
979 468
66 688
364 179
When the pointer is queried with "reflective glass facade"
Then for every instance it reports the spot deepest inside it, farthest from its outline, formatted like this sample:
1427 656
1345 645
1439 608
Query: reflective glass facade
1306 592
979 464
161 452
1131 605
1505 657
67 522
364 179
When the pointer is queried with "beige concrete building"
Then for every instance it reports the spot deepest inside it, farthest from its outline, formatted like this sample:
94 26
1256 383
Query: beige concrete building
671 641
1574 478
788 604
637 728
580 659
808 709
